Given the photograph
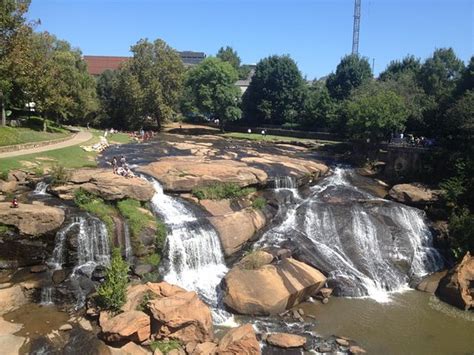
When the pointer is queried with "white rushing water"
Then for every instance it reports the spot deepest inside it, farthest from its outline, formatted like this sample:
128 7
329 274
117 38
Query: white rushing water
127 243
47 296
367 246
196 261
40 188
92 245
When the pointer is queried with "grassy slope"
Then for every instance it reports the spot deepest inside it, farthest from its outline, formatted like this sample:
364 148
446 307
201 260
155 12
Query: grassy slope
272 138
11 135
70 157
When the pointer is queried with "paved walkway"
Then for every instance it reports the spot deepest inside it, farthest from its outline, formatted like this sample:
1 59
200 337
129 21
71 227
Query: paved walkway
79 138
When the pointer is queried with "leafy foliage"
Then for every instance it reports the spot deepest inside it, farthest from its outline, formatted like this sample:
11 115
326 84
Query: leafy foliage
212 90
59 174
220 191
351 72
275 94
165 346
461 232
259 203
112 292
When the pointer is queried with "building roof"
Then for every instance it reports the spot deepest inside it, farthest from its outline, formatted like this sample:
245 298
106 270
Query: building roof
97 64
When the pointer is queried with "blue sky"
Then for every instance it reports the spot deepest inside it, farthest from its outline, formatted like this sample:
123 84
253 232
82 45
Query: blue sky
316 33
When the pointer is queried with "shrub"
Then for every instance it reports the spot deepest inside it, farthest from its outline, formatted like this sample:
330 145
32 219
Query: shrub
148 296
112 292
136 218
59 174
4 175
161 234
461 232
221 191
4 229
253 261
165 346
153 259
259 203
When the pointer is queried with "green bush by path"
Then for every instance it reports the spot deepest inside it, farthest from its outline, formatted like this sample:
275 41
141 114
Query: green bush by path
220 191
112 292
96 206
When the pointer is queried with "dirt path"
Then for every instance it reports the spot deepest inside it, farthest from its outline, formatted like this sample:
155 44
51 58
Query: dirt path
79 138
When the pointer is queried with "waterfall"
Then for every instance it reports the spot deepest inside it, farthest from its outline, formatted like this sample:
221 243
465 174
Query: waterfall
40 188
365 245
196 261
47 296
285 182
57 258
127 243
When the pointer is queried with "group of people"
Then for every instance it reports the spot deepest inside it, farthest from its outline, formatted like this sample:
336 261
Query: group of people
142 135
410 139
120 167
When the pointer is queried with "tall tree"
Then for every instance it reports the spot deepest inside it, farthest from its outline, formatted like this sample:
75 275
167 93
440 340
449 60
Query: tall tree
275 93
351 72
440 73
374 111
396 68
467 78
212 85
319 108
156 70
229 55
14 32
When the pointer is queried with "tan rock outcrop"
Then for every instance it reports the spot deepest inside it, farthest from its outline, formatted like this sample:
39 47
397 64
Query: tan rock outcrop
239 341
182 174
455 288
129 349
207 348
271 289
285 340
11 298
236 229
182 316
106 184
430 283
414 194
32 219
131 325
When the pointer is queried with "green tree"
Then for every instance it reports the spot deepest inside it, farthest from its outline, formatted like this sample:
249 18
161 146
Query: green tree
113 291
275 93
396 68
439 74
154 77
351 72
319 109
213 91
467 78
14 32
374 112
229 55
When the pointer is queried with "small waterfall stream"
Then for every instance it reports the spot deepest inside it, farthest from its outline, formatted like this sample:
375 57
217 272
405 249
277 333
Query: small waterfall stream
41 188
365 245
196 261
127 243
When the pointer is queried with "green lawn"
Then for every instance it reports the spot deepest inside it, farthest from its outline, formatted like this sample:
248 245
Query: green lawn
272 138
13 135
70 157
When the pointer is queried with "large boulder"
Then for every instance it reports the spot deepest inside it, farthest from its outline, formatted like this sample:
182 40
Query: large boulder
239 341
430 283
414 194
182 316
236 229
270 289
11 298
106 184
34 219
183 174
130 325
457 287
285 340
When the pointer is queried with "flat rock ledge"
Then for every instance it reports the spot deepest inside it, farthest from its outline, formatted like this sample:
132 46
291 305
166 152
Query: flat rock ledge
106 184
34 219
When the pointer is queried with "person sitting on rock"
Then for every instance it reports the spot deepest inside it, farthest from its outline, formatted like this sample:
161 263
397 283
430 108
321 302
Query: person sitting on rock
14 203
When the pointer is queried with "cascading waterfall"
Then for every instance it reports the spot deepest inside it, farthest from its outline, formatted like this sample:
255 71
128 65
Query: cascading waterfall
40 188
196 261
366 246
285 182
47 296
57 258
127 243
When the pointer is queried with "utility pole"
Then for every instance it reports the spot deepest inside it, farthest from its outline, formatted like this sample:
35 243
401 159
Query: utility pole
355 32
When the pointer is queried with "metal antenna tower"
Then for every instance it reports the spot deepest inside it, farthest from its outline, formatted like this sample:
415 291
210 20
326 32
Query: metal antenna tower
355 32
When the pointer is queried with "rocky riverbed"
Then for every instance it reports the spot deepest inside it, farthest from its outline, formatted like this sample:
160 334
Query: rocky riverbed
269 262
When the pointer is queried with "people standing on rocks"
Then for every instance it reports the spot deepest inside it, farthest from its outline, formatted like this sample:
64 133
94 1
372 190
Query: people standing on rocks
14 203
115 164
122 161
